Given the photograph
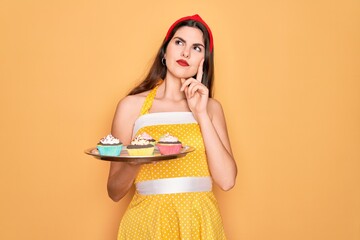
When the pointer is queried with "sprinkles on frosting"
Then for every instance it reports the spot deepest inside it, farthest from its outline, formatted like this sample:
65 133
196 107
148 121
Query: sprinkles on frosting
109 139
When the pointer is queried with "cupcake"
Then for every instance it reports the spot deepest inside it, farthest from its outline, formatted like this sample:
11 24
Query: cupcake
109 146
169 144
139 146
149 138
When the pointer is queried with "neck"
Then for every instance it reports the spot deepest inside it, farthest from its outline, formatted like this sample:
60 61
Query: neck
170 89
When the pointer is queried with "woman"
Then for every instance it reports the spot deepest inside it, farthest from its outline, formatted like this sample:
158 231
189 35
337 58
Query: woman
174 199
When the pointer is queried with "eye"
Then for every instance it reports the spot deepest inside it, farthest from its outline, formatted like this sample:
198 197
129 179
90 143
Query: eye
179 42
197 48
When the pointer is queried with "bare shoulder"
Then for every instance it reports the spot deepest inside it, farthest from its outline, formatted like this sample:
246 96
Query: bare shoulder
127 111
214 108
131 104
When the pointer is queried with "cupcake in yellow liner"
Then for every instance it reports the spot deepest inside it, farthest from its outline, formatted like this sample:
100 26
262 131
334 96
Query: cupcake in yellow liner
109 146
169 144
146 136
140 147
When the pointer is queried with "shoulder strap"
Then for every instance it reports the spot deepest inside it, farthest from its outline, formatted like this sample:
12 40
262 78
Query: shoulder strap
148 101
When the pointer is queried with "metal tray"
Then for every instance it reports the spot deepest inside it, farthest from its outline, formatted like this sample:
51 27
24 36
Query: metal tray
125 157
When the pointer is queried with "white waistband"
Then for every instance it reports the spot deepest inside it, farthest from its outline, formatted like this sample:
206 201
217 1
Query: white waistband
174 185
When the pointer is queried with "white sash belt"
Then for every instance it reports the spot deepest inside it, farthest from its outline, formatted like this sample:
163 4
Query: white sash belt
174 185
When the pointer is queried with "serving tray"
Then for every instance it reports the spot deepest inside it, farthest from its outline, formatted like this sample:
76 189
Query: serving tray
125 157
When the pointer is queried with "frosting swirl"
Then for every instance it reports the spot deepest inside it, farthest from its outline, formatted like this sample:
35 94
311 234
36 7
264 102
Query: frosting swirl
146 136
168 138
109 140
139 140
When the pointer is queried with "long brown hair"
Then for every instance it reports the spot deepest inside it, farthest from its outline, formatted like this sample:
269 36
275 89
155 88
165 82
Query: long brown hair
157 71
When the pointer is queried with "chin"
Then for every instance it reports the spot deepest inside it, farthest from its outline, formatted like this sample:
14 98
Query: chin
182 74
185 76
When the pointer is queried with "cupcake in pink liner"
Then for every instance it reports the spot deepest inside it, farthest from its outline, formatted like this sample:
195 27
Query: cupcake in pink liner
169 144
146 136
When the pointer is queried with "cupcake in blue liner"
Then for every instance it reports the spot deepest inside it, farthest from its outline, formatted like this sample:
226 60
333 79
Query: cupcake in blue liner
109 146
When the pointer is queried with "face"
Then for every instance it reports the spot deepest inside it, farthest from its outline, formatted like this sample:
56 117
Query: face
184 52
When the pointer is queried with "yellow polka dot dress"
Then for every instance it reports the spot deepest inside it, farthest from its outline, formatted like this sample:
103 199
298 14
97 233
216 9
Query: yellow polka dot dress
185 215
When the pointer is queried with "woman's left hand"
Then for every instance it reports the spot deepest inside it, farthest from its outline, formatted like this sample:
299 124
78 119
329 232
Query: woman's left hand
197 94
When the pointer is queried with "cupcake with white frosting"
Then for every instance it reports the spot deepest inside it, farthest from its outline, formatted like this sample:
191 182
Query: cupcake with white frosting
109 146
139 146
169 144
146 136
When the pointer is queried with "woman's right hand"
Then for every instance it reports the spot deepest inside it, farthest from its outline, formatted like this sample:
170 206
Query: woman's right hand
121 178
121 174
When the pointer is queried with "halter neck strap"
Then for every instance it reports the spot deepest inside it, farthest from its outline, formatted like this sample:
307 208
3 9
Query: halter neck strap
149 101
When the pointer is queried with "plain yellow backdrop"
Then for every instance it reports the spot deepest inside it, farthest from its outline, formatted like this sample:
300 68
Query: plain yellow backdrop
287 74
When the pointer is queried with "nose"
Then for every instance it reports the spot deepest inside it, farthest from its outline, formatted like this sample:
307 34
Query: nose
186 53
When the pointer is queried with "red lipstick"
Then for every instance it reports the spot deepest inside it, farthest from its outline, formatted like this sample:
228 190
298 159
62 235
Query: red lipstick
182 63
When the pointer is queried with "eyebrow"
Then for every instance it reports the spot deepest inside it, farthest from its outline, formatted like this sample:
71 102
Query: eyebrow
195 44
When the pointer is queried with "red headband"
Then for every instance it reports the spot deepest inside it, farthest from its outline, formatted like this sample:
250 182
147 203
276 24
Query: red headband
196 18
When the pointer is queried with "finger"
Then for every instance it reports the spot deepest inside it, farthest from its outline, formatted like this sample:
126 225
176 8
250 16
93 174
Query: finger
186 83
200 72
188 86
193 88
197 88
133 163
183 85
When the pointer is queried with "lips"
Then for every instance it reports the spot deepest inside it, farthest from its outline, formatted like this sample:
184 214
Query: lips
182 63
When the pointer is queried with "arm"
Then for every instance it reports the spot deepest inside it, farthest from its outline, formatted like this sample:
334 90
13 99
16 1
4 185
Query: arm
210 117
217 145
122 175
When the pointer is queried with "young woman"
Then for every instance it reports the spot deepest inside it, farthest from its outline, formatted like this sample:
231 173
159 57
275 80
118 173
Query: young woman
174 199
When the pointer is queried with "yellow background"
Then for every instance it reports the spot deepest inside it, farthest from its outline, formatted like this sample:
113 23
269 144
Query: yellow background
287 73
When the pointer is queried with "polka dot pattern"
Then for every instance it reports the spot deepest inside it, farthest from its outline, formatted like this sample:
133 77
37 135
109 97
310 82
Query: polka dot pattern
193 164
185 216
